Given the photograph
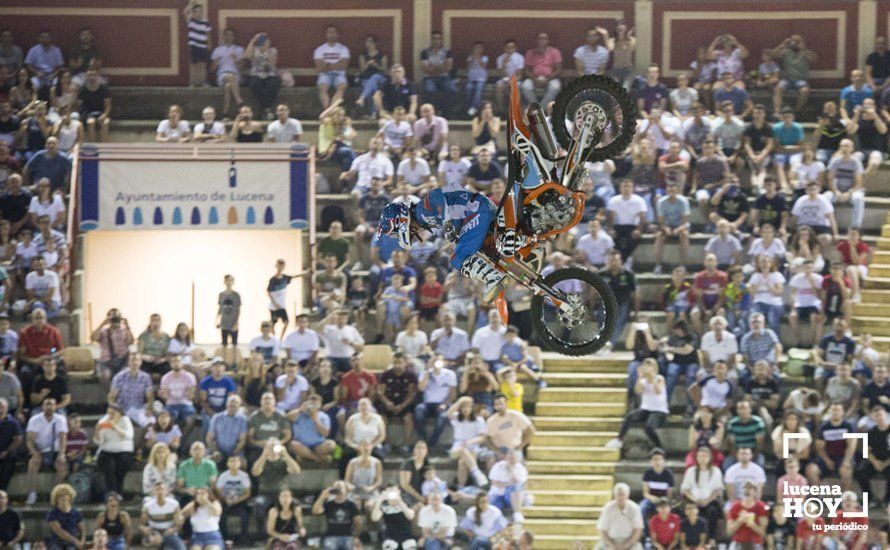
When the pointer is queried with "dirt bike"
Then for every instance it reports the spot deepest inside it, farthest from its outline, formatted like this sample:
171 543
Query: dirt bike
573 310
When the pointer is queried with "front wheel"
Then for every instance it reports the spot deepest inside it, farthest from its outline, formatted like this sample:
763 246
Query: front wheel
586 320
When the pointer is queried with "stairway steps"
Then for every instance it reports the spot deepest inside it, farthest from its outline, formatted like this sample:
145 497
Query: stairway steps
570 481
560 513
879 270
571 439
581 409
569 423
562 542
877 326
571 527
579 466
870 296
577 379
582 395
545 497
877 283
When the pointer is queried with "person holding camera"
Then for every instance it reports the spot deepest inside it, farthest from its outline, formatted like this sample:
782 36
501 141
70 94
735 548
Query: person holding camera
397 517
114 338
246 129
796 59
439 385
653 408
264 80
271 470
342 515
311 427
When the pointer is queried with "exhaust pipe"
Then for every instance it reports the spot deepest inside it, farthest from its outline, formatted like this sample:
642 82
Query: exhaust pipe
541 132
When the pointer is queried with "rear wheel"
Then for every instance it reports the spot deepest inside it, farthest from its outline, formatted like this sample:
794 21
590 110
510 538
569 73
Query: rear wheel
585 323
610 105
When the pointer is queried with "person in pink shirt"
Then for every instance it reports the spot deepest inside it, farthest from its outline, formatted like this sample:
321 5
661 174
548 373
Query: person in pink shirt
792 478
178 392
543 64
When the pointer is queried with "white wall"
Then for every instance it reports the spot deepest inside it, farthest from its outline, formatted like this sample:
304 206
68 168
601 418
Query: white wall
145 272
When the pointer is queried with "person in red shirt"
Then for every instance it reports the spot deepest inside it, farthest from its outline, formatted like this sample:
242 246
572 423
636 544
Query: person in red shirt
543 64
356 384
850 539
37 342
836 295
430 295
809 533
709 285
747 518
664 527
856 255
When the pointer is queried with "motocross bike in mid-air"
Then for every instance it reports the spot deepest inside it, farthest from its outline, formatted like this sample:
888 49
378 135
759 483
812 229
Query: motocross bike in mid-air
573 310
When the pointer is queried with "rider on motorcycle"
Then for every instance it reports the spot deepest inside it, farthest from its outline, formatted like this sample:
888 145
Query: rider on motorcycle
463 218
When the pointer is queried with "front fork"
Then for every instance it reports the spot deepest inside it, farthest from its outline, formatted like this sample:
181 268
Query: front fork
520 272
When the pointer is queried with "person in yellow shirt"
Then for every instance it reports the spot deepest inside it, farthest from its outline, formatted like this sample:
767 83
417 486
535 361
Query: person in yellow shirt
511 388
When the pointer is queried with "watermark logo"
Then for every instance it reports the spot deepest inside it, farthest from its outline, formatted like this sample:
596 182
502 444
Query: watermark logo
819 500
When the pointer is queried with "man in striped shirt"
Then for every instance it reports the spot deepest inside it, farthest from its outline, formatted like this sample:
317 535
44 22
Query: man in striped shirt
199 43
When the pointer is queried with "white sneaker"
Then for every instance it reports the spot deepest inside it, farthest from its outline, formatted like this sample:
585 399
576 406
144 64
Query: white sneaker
605 350
857 298
614 444
481 480
518 517
32 499
471 111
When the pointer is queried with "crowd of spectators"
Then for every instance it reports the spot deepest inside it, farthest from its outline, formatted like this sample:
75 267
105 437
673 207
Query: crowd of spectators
219 437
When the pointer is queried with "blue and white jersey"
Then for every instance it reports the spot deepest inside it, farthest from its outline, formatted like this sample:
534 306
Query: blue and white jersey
458 209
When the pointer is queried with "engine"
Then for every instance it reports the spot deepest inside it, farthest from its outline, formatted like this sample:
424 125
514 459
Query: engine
551 211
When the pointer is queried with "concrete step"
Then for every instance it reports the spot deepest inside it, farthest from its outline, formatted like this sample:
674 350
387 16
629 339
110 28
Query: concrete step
870 296
885 230
582 395
561 542
581 409
577 379
569 423
560 466
877 326
547 497
570 439
879 270
876 283
570 527
569 453
570 482
596 364
870 309
559 513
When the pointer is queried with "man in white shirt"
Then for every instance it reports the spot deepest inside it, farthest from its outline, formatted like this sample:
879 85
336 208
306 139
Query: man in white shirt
341 339
291 388
509 63
266 344
488 340
593 246
226 60
816 211
627 220
42 288
303 343
331 60
620 523
373 164
507 479
284 129
449 341
438 522
744 471
413 169
718 344
209 129
593 56
439 386
47 437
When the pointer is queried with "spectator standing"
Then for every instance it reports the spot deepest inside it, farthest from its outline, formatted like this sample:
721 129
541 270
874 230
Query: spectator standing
593 56
729 55
277 292
264 80
331 60
114 338
620 523
796 59
437 64
228 312
623 46
543 65
11 56
115 439
226 61
284 129
198 28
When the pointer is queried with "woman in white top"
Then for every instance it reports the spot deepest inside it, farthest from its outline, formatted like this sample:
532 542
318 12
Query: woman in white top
799 447
173 129
114 436
469 434
483 522
364 476
767 244
69 131
204 513
653 409
807 170
703 485
181 344
766 285
46 203
453 170
412 341
161 468
364 425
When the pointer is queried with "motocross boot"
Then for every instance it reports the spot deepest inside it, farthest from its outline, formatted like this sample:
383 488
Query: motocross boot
480 268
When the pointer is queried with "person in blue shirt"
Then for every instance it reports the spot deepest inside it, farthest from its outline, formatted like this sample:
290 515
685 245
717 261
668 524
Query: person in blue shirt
462 217
227 432
854 94
789 140
215 389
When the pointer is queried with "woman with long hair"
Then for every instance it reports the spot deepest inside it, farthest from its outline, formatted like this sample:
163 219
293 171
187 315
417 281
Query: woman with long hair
801 445
469 435
703 485
64 93
69 131
767 286
364 425
161 468
479 384
486 128
254 380
164 431
706 430
328 388
284 523
45 203
482 523
264 80
804 245
23 96
152 345
115 522
181 344
372 64
335 135
364 476
204 513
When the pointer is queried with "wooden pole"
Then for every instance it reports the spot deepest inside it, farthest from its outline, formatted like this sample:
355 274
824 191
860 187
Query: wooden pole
90 317
193 311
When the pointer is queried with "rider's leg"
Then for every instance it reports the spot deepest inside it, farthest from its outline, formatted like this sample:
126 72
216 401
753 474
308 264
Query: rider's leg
466 251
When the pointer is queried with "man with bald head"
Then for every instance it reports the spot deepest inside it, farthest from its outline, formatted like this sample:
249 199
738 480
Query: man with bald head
49 163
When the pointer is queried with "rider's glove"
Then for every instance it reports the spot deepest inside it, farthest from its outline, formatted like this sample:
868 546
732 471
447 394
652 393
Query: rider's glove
508 243
448 231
